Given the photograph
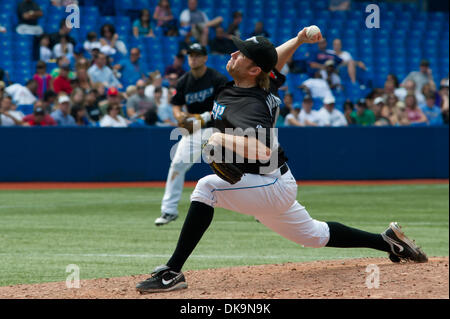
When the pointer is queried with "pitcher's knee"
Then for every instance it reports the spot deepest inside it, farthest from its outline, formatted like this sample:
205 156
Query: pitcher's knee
203 191
317 235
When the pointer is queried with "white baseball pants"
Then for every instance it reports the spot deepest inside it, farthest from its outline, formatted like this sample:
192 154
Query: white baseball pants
187 153
271 199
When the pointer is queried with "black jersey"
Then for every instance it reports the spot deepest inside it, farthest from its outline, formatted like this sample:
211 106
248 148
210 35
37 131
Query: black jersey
250 108
198 94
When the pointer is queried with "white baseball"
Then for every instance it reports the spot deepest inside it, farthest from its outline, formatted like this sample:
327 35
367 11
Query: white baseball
311 31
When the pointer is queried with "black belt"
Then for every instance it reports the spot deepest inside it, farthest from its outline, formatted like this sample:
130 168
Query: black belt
283 169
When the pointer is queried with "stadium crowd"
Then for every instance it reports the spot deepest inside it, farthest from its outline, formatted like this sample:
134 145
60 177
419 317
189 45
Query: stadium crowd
104 82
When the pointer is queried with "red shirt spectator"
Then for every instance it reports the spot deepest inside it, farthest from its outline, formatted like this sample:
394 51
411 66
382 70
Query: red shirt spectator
62 81
39 118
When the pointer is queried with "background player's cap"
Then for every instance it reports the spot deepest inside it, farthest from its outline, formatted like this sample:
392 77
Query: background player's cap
112 91
63 99
39 111
307 97
197 48
260 50
378 100
329 99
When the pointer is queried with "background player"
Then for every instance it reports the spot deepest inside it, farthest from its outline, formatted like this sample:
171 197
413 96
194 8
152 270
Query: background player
195 90
250 102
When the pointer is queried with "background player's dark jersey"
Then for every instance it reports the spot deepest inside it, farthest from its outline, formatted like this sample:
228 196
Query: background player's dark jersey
250 108
198 94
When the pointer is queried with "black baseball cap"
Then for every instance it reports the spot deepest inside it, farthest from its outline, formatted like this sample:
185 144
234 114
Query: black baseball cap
197 48
307 97
260 50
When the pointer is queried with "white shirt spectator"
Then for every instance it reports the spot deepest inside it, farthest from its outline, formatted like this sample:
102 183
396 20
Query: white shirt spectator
58 51
7 121
310 117
108 121
287 118
45 54
193 17
344 55
104 75
319 87
89 46
401 93
335 118
335 79
20 94
150 90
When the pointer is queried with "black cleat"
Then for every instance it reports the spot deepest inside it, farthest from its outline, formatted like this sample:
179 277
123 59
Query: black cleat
401 246
163 279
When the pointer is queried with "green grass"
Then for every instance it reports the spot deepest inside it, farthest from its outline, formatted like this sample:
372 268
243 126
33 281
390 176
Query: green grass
110 232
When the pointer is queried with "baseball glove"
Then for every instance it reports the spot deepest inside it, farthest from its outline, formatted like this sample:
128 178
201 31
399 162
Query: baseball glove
226 171
189 122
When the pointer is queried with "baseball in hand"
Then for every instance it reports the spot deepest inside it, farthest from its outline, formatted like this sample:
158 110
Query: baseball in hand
311 31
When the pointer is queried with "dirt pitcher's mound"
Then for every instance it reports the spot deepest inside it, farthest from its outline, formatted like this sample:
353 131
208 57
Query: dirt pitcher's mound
346 278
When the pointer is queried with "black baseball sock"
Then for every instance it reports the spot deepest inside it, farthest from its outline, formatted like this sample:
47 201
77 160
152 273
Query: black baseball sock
345 237
198 219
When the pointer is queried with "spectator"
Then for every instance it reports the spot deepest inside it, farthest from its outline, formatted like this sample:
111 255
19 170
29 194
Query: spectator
62 82
84 81
2 89
23 95
430 89
291 119
77 97
184 45
139 104
99 72
362 115
91 106
348 110
63 47
307 116
155 82
319 57
91 42
142 26
329 74
43 79
100 90
328 115
62 114
62 61
165 113
78 112
165 19
413 112
172 78
131 90
339 5
198 22
221 44
9 116
39 117
45 54
28 13
402 115
259 30
347 60
444 104
113 117
391 110
233 28
421 77
48 101
175 67
110 43
133 68
409 87
432 112
316 86
377 108
113 98
63 31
